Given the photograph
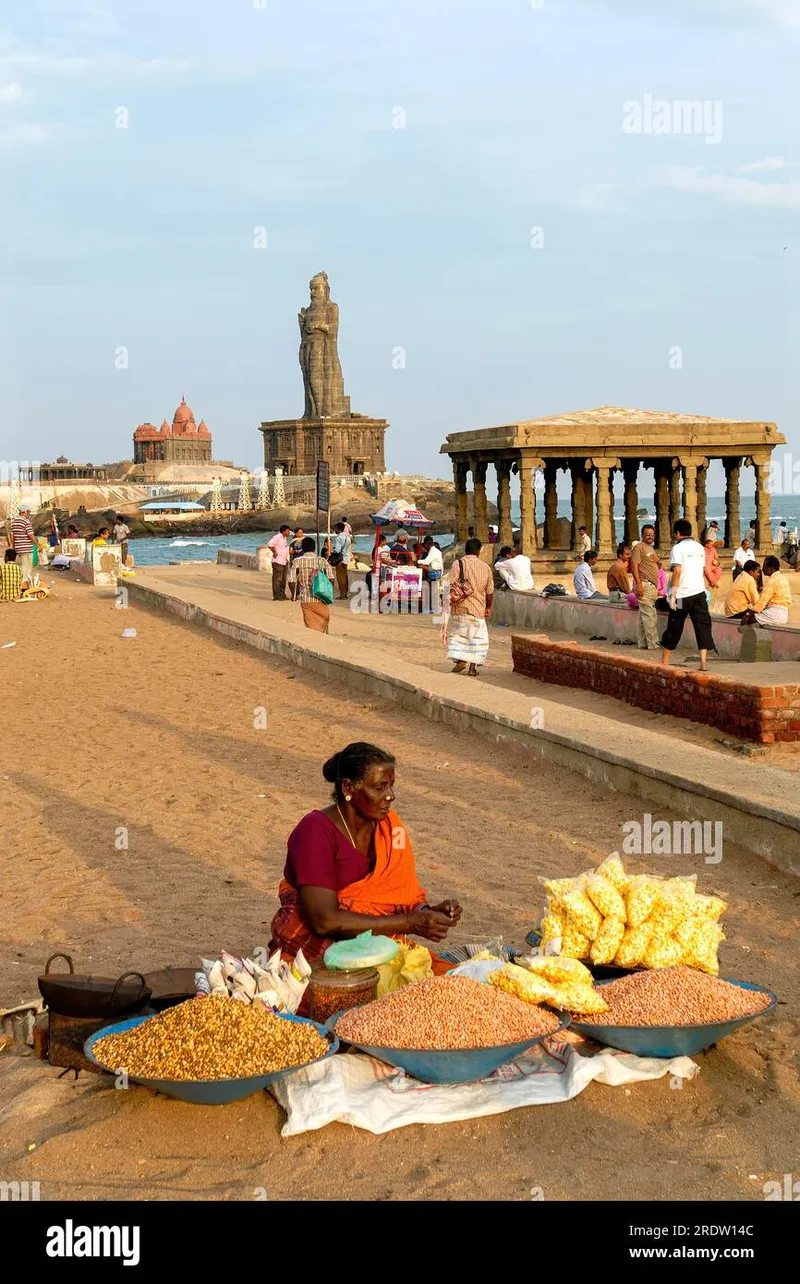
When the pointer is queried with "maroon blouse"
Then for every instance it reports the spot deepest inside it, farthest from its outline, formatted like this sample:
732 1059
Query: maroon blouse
319 855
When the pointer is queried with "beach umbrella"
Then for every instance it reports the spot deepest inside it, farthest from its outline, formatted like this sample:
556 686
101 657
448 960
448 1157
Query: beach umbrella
400 513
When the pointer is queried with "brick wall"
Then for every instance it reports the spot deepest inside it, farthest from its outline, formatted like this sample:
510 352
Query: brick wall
766 714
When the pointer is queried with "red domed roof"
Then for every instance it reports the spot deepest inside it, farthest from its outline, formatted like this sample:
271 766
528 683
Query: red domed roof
145 431
183 419
165 428
203 429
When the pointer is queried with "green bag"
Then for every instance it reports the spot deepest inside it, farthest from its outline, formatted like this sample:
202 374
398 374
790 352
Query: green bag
321 588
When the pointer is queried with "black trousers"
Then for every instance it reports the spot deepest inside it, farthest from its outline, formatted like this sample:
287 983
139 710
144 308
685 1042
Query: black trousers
694 608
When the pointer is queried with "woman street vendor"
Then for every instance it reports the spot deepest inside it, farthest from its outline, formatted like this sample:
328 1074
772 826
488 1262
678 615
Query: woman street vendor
350 867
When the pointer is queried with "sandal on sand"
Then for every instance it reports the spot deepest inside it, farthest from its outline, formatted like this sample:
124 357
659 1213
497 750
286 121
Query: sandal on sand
460 666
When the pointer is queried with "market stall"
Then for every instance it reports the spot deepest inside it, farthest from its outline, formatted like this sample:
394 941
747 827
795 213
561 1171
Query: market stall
399 582
620 984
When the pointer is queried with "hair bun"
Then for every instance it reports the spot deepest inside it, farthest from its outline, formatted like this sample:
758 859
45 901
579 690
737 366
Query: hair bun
330 771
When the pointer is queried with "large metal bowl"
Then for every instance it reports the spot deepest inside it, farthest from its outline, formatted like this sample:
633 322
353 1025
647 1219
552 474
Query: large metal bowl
462 1065
210 1092
670 1040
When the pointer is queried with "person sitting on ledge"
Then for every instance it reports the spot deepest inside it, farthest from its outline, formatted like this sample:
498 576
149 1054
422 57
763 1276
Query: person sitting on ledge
742 596
583 579
618 579
350 866
514 569
775 599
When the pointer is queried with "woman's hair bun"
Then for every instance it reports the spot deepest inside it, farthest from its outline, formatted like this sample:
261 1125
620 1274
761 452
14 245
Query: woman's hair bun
330 771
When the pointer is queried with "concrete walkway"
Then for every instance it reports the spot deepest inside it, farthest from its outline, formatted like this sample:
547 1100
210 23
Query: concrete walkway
400 658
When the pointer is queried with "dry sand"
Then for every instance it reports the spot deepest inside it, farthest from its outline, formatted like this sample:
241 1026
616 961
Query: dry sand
156 735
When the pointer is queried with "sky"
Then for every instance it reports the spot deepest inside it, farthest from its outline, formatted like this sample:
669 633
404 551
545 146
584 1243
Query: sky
506 234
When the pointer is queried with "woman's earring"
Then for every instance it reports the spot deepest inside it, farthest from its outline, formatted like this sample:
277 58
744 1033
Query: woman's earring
347 797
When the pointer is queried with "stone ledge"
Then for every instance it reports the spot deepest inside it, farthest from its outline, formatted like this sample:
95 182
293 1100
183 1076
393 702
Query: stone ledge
765 714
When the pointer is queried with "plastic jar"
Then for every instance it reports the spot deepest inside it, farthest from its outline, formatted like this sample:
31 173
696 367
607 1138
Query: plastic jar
331 992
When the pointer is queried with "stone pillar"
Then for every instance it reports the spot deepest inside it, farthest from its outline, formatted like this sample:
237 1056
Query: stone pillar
733 522
550 505
460 470
702 498
630 468
481 520
588 502
674 495
763 509
578 498
605 505
690 496
504 527
662 506
527 502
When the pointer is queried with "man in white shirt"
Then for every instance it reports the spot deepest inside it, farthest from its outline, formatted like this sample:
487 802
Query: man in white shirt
687 596
744 553
583 579
121 535
584 541
514 569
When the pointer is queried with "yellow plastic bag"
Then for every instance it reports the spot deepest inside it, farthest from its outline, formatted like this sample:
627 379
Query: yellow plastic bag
702 944
710 907
574 945
604 895
581 913
663 952
558 887
643 894
522 984
410 963
556 969
634 944
613 869
552 926
582 1000
608 940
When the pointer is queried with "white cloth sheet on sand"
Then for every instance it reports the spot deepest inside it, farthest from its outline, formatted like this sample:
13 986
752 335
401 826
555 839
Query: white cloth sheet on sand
356 1089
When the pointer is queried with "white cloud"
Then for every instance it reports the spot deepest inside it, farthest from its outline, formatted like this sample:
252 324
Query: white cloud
27 134
10 93
732 188
769 162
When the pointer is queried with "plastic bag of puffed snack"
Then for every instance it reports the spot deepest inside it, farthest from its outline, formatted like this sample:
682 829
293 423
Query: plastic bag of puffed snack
643 894
604 895
663 951
552 926
581 913
701 945
583 1000
673 906
608 940
574 945
634 944
557 888
613 869
556 970
522 984
712 907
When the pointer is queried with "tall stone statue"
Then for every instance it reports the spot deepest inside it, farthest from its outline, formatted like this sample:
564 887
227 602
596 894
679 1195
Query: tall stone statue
319 354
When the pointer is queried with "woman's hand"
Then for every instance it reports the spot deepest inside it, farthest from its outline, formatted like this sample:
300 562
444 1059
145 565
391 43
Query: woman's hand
451 908
430 923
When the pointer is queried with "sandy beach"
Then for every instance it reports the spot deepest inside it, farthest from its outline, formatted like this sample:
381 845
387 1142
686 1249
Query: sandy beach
153 738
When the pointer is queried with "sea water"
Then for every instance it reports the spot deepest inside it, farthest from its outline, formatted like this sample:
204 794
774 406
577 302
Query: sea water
160 549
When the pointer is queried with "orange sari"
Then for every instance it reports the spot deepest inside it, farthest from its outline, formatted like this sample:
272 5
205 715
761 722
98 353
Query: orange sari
392 887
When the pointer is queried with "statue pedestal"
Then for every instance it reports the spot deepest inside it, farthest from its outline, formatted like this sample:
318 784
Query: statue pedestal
350 445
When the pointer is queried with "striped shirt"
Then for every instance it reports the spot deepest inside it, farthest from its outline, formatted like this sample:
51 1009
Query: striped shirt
479 578
22 535
302 572
10 582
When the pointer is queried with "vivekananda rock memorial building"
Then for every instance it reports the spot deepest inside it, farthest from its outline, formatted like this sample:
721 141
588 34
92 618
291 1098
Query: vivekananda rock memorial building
184 442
